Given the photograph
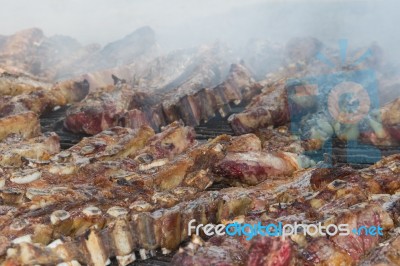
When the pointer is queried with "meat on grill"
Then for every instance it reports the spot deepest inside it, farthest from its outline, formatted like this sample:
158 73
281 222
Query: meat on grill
254 167
251 160
355 198
16 151
390 121
237 251
42 100
13 84
165 175
387 253
128 191
26 125
270 108
122 105
169 208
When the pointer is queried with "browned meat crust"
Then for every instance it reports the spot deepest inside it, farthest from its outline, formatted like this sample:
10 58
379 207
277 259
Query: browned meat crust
156 216
270 108
26 125
122 105
42 100
16 151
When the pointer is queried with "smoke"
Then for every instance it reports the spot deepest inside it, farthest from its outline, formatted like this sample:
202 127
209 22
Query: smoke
187 23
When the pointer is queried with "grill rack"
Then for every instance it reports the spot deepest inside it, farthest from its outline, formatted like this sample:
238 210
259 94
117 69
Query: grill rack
53 122
343 153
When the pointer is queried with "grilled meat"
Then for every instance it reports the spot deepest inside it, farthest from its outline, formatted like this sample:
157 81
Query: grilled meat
265 250
158 219
270 108
113 144
254 167
280 139
387 253
14 150
122 105
42 100
12 84
390 120
232 251
167 173
171 141
200 105
150 181
349 198
246 162
99 112
26 125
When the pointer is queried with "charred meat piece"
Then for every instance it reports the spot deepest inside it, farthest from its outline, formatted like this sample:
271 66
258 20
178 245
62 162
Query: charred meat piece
349 249
43 100
387 253
131 107
359 215
201 104
270 108
12 84
254 167
102 110
245 143
15 150
391 118
321 250
26 125
280 139
271 251
171 141
246 162
110 144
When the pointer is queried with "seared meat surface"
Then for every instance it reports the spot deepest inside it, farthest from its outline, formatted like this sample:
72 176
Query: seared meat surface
14 150
160 203
356 198
26 125
126 106
42 100
268 108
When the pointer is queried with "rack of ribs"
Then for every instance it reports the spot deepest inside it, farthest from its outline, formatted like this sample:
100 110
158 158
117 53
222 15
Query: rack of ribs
142 225
270 108
16 84
124 106
44 99
331 196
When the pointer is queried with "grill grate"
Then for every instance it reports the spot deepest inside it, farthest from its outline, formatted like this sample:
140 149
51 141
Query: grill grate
53 121
343 153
